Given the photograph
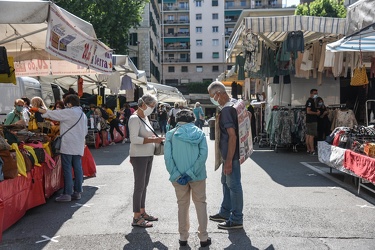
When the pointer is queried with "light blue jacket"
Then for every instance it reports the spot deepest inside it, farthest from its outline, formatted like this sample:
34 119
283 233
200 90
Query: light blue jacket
186 151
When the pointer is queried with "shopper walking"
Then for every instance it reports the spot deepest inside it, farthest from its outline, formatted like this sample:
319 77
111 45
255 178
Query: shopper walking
163 118
141 153
185 156
199 115
312 114
230 213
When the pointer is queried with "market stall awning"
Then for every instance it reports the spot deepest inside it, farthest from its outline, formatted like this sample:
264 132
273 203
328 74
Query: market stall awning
165 93
273 29
363 40
360 15
30 29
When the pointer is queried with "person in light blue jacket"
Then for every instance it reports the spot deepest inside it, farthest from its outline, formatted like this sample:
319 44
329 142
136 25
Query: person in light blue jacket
185 155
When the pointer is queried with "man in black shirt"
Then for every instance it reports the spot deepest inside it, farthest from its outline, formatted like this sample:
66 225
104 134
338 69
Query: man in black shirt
312 114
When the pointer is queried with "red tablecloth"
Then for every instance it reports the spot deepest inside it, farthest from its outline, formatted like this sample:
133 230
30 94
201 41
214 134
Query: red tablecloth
20 194
361 165
1 218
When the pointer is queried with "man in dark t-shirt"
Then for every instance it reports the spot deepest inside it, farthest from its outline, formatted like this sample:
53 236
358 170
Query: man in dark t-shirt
230 214
312 114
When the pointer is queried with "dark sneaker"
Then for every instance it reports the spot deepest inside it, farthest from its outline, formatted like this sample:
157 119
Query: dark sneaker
76 196
218 218
229 225
64 198
182 243
206 243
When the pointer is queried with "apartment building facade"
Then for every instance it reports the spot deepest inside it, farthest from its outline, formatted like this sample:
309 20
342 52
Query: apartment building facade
145 42
184 41
195 36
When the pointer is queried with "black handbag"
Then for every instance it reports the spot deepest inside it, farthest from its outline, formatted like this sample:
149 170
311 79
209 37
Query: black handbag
56 144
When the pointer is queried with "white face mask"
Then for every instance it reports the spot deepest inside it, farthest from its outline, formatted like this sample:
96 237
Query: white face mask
147 111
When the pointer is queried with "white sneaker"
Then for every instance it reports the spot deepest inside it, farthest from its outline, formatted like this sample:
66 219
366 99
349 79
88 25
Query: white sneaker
123 141
112 143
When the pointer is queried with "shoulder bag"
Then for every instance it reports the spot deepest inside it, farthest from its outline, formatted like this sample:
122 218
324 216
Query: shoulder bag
56 144
159 147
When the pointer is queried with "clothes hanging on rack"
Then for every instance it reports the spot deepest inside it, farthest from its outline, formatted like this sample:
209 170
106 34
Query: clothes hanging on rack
343 118
126 83
240 63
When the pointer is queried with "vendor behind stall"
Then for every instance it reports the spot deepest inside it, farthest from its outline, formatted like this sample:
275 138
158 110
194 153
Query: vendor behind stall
15 116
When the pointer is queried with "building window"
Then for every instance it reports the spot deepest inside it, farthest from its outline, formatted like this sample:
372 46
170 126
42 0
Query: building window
199 55
198 16
171 69
229 4
243 3
198 29
215 3
215 42
199 68
215 16
258 3
199 42
198 3
184 68
215 54
171 81
215 68
170 17
215 29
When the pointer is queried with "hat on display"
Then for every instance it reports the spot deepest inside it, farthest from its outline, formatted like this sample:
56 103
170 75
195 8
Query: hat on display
185 115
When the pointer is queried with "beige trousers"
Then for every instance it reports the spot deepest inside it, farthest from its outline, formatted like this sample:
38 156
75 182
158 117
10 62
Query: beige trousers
198 193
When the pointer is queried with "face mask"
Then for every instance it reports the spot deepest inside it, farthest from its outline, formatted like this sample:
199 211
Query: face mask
320 104
315 96
214 102
19 109
147 111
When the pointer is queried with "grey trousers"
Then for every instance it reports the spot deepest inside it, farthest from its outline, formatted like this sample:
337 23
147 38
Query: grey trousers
142 169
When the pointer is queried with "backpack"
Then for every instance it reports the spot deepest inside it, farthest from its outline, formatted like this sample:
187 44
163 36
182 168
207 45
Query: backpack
4 65
104 113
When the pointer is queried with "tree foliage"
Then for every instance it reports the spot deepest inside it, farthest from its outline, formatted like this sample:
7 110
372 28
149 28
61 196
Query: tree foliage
112 19
323 8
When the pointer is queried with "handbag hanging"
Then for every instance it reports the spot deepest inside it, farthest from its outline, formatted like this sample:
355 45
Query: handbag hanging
56 144
359 75
159 147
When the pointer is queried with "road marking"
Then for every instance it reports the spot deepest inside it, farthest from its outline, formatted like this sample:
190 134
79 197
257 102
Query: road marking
46 238
333 187
98 186
264 150
82 205
364 206
311 174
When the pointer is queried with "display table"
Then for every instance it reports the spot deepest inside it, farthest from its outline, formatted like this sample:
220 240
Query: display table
350 162
22 193
332 156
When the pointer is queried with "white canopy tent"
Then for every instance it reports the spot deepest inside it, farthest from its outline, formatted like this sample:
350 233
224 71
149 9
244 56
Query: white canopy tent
41 30
165 93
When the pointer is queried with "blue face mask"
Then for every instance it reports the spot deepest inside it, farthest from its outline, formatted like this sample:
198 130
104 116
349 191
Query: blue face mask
214 102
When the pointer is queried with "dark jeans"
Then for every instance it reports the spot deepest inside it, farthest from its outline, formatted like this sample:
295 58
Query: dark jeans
67 162
114 125
163 126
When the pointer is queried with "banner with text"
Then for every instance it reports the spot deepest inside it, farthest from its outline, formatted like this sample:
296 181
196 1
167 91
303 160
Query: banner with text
38 67
66 41
244 131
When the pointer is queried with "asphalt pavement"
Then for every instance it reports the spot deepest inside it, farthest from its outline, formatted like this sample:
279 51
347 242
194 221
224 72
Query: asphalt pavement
291 201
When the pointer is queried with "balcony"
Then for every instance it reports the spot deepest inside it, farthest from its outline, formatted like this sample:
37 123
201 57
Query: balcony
176 60
237 6
176 21
268 6
230 20
172 46
175 8
178 34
